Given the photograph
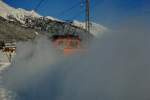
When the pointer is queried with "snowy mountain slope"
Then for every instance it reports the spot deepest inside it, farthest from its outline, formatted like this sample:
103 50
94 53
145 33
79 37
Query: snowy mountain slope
52 18
5 9
19 14
96 29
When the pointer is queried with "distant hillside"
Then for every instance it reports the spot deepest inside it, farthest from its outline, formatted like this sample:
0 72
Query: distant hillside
21 24
14 31
36 26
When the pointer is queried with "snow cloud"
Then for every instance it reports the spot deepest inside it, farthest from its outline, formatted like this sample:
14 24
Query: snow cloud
116 67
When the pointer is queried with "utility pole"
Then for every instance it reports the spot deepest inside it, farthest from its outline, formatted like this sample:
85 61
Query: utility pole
87 16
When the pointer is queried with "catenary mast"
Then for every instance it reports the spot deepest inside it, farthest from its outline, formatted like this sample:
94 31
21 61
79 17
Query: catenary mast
87 16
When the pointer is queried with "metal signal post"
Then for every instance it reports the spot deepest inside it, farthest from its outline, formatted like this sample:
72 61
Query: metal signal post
87 18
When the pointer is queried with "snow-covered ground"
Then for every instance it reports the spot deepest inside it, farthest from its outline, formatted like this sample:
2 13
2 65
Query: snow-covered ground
4 93
4 62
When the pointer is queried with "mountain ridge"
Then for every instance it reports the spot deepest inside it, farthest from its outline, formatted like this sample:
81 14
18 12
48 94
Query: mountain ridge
20 14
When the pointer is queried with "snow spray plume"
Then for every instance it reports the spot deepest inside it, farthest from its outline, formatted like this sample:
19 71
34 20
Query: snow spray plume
31 61
117 67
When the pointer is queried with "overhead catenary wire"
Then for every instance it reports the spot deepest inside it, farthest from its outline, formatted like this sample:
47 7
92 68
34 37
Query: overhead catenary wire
81 12
38 5
69 9
81 3
64 12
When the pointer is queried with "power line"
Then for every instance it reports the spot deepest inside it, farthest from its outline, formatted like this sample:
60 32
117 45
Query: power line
92 7
38 5
69 9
